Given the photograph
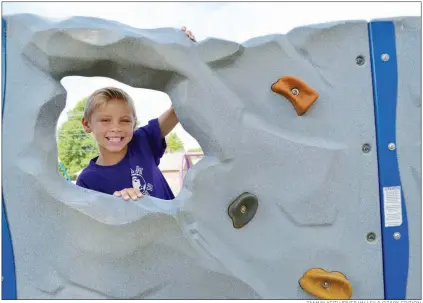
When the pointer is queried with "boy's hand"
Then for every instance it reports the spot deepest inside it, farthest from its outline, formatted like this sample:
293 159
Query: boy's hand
188 33
133 193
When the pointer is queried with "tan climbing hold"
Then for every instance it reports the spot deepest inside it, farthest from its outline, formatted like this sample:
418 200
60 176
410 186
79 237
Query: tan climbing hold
301 95
326 285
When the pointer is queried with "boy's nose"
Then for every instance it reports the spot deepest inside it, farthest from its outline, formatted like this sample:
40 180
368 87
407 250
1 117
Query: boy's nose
115 128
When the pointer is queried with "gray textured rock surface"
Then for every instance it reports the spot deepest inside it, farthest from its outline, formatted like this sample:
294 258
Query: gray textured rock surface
318 193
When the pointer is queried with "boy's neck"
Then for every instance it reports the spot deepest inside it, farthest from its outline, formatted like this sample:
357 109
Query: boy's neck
106 158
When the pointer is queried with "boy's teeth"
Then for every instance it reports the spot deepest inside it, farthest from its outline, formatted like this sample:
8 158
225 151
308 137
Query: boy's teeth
114 139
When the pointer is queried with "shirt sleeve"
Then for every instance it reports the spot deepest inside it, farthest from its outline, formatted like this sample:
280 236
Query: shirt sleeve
155 139
80 182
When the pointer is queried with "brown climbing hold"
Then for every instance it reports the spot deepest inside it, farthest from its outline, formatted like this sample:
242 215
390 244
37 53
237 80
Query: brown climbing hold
326 285
243 209
301 95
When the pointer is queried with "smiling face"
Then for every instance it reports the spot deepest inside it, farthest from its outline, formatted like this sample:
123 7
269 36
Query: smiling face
112 124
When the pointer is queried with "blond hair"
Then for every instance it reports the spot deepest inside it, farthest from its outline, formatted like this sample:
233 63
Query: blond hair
104 95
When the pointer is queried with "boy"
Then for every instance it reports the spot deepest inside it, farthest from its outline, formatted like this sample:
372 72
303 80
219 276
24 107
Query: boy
127 164
128 160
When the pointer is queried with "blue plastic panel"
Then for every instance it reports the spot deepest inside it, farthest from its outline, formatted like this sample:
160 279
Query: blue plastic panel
7 259
395 241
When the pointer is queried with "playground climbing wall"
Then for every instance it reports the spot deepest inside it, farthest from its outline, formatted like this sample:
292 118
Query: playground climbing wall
310 187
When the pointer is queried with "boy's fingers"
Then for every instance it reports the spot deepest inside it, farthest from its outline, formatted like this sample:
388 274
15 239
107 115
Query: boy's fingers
132 193
188 33
138 192
124 193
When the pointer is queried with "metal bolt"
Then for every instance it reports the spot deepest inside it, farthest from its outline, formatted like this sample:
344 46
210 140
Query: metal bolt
359 60
325 284
371 237
295 91
391 146
243 209
366 148
385 57
397 236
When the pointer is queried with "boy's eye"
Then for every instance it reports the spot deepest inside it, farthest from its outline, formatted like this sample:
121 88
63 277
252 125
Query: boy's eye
105 120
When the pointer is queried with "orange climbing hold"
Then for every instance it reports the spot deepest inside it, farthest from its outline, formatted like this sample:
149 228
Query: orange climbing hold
326 285
301 95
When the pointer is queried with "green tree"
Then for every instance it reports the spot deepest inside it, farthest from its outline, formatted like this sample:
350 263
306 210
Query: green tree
174 143
75 147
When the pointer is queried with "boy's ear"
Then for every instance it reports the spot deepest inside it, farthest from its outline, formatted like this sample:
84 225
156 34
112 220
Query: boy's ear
86 125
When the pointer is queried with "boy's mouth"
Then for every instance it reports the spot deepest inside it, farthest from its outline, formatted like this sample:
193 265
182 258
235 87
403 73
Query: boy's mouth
114 139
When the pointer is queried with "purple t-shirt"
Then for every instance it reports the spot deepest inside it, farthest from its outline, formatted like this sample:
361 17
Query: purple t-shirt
138 169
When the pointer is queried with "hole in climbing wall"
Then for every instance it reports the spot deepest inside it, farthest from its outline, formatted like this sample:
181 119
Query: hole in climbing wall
76 148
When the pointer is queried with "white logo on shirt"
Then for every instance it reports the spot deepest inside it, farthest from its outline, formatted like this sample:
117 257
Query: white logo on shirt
139 182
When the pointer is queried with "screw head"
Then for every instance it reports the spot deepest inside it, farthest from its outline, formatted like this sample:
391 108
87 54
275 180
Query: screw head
391 146
325 284
359 60
295 91
385 57
243 209
397 236
366 148
371 237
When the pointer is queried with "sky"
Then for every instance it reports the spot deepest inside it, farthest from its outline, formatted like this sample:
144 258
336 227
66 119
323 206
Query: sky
234 21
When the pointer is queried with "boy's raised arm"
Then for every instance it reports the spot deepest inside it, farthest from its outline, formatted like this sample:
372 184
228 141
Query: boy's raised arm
168 121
